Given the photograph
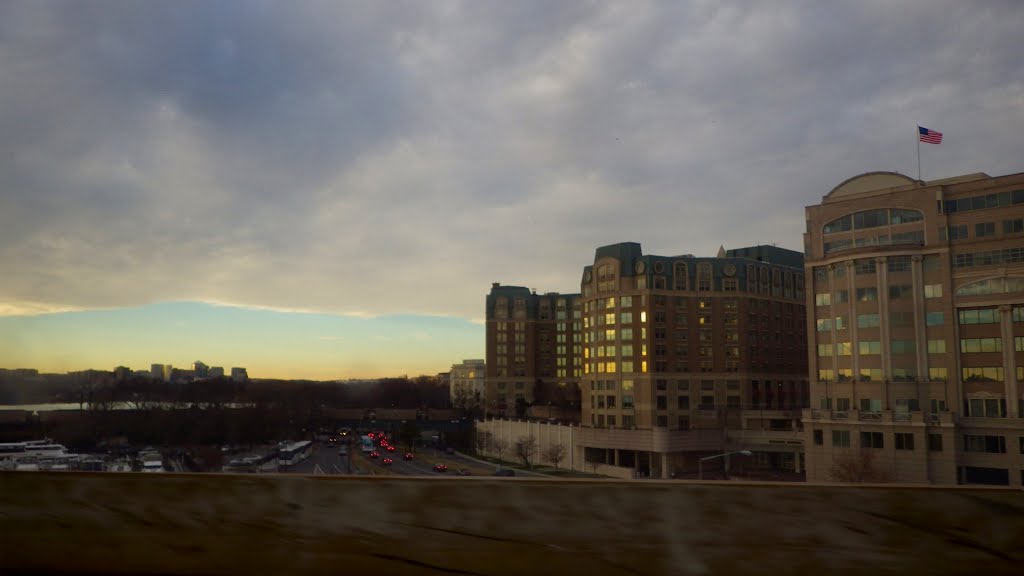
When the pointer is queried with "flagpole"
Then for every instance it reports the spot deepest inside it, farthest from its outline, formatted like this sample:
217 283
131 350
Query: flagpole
918 152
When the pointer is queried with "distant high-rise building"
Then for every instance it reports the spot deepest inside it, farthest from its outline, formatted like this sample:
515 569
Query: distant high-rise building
532 343
916 324
467 384
215 372
122 373
161 372
239 374
200 370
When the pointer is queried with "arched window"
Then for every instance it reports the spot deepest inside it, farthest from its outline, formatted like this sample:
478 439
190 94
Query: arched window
679 276
872 219
704 277
991 286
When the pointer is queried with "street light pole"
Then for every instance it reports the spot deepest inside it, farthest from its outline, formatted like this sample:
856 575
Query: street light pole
700 463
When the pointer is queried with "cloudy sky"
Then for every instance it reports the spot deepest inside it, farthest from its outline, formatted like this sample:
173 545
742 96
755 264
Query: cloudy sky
328 189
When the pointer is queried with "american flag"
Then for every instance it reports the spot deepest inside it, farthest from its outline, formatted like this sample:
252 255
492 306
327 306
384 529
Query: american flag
929 136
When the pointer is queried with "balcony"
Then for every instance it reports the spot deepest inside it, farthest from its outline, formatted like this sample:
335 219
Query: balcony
870 416
998 423
770 440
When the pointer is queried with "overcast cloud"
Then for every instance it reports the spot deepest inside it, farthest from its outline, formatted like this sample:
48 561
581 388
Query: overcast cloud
397 157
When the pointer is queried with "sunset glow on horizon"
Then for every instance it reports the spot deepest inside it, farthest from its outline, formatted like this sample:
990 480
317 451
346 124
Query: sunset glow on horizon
269 344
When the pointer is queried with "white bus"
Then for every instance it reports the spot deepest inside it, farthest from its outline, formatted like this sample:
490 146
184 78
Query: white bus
291 454
253 464
32 448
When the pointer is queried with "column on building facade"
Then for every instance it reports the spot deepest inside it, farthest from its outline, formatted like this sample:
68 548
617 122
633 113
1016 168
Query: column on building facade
851 319
796 462
920 334
664 465
833 364
616 456
1009 364
882 274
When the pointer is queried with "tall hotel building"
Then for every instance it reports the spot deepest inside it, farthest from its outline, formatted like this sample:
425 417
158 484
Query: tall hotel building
916 325
531 339
677 357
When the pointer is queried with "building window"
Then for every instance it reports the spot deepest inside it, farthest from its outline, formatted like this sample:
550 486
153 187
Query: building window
982 374
627 401
934 319
864 266
935 442
904 441
867 294
953 233
663 421
840 438
902 346
933 291
986 407
683 402
1015 226
938 374
898 264
936 346
869 347
819 438
870 405
867 321
987 444
979 316
981 345
899 291
662 403
872 440
627 422
704 277
983 229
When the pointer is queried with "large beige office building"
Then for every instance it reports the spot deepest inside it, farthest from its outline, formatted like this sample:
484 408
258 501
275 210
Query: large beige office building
916 329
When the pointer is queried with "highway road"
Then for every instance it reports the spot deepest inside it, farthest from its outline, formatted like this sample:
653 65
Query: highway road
325 459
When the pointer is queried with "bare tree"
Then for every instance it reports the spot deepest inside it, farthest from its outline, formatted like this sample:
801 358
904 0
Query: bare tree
857 466
554 454
525 447
499 445
484 441
463 397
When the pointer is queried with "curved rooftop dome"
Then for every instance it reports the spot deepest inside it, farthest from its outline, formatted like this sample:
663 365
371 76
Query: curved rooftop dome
867 182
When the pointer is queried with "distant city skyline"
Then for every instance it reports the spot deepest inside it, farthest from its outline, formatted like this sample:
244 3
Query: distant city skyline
269 344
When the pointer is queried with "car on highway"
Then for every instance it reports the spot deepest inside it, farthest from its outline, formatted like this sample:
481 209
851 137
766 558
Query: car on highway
387 461
440 468
390 448
505 472
374 454
463 472
408 456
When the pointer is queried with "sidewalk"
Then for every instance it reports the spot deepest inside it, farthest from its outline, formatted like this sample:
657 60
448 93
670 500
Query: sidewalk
493 465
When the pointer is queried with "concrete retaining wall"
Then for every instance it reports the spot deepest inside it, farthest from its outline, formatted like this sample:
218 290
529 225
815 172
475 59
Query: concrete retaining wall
545 434
270 524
